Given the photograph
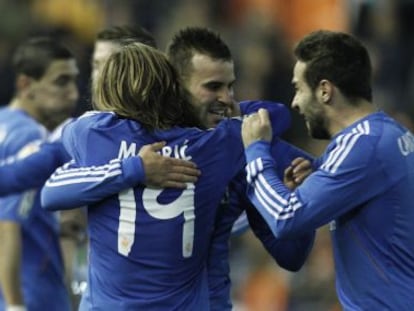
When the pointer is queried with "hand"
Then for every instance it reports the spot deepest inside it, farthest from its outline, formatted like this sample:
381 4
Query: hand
296 173
165 172
256 127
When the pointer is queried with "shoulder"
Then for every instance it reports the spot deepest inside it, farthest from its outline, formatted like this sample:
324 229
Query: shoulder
375 138
99 121
19 121
18 129
92 119
356 144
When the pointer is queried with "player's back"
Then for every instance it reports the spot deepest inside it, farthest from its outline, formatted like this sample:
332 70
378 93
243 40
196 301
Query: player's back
149 247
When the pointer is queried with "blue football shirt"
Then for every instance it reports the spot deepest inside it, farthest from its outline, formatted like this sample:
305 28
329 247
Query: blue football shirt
42 267
363 187
148 247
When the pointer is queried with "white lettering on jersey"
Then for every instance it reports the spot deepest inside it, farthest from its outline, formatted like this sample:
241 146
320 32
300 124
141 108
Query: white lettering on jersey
177 151
406 143
184 205
127 215
126 151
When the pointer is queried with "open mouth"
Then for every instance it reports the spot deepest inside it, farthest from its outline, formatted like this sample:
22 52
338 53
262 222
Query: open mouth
218 110
220 113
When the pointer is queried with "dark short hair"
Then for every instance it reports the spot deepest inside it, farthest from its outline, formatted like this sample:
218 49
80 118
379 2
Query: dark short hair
193 40
124 35
34 56
339 58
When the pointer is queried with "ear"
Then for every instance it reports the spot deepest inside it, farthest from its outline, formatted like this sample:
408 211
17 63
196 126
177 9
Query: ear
23 82
23 85
325 91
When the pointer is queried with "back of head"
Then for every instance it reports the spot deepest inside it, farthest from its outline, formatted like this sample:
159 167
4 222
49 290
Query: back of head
33 57
192 40
339 58
124 35
138 82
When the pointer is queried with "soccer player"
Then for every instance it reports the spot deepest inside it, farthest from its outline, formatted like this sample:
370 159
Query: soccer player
207 72
364 181
30 167
205 65
157 239
31 170
31 268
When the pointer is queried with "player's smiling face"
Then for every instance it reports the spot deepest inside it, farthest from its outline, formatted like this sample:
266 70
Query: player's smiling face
307 104
210 84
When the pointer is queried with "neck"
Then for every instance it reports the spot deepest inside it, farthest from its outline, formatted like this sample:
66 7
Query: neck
345 115
19 103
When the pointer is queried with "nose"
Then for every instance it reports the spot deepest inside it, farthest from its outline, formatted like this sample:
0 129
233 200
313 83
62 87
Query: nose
226 96
73 92
294 104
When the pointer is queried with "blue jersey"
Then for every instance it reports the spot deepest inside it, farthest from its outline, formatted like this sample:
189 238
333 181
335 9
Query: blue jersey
290 254
363 186
42 267
157 239
97 182
31 167
19 174
91 184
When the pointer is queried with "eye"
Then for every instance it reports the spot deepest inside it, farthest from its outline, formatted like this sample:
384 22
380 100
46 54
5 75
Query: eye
63 80
213 86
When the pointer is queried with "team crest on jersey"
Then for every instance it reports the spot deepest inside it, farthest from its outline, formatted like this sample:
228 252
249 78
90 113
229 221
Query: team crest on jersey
124 244
29 149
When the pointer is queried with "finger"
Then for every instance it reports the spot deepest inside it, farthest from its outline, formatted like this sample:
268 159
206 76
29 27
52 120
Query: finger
297 160
174 184
288 171
264 116
181 163
157 146
185 171
178 177
302 167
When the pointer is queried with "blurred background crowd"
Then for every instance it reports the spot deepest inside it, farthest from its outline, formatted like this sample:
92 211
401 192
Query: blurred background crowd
261 35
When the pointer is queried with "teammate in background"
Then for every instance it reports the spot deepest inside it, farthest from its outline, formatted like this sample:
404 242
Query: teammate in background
364 181
205 64
31 168
28 171
157 239
31 268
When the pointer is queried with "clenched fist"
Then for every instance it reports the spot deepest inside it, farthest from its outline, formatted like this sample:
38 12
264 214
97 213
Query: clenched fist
256 127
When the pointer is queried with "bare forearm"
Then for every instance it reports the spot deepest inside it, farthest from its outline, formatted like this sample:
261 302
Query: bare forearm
10 258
